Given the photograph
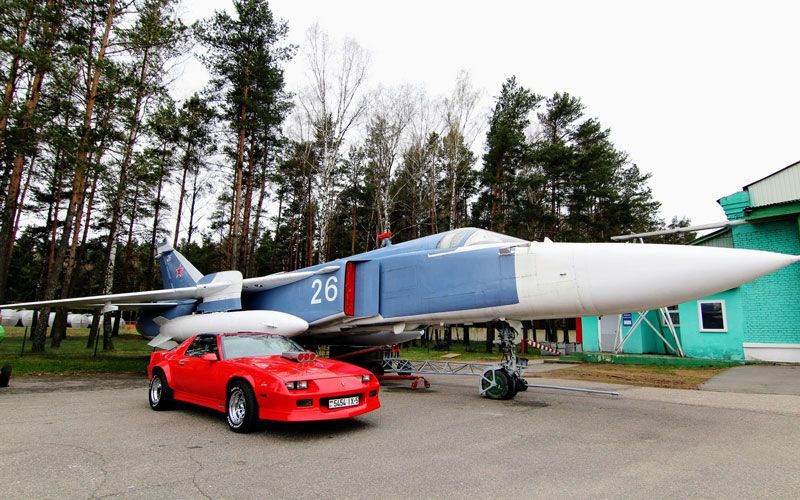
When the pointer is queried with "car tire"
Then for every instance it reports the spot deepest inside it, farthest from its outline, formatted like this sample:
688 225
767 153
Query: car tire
159 393
241 408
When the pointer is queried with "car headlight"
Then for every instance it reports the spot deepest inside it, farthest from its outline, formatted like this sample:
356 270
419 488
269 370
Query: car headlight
365 379
297 385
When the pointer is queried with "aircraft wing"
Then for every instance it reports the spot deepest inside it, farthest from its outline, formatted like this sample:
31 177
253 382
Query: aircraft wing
280 279
132 300
134 306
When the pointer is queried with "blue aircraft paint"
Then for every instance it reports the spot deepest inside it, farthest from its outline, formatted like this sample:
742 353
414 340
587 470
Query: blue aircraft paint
219 305
405 279
316 297
210 306
174 272
420 283
417 277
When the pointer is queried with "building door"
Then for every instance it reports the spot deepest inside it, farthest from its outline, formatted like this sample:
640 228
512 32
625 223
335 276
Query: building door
608 331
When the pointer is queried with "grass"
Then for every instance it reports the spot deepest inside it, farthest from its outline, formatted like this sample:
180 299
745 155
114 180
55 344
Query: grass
641 375
474 352
131 355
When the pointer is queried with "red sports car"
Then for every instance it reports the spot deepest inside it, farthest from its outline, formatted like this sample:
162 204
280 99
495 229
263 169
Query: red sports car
252 376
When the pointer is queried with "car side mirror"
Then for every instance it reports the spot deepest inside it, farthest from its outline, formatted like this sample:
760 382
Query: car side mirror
210 356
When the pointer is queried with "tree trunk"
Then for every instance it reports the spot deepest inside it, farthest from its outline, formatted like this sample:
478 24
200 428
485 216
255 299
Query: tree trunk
497 197
58 331
453 183
23 195
11 82
247 205
93 330
79 180
11 203
234 233
127 254
192 206
259 208
116 208
489 338
310 229
182 195
156 214
353 229
108 331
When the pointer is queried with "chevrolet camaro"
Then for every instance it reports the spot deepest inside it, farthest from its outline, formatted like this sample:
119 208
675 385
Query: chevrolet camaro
258 376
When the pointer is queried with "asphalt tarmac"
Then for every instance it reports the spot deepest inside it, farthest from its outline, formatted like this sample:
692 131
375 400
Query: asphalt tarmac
97 438
757 379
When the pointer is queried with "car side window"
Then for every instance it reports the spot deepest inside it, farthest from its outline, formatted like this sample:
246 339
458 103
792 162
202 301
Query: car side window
203 344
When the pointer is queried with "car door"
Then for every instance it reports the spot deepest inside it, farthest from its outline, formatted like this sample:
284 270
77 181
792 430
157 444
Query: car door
194 376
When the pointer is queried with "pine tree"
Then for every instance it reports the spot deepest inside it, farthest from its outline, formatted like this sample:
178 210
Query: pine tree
245 58
507 151
196 120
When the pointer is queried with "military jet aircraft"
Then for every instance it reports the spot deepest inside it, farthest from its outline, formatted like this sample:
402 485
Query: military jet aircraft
466 275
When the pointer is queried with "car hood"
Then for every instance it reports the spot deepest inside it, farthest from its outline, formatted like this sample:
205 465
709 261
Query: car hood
292 370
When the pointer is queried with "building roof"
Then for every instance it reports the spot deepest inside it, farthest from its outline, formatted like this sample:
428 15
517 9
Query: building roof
721 238
779 187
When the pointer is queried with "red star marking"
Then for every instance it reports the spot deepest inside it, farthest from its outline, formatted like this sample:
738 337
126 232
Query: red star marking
179 271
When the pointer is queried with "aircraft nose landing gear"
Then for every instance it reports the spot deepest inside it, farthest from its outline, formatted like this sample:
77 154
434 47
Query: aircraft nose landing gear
505 380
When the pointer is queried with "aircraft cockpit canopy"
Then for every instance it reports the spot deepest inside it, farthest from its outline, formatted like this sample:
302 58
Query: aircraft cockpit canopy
469 236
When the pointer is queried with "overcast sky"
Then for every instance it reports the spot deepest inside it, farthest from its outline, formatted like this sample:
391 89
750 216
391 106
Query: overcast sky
703 95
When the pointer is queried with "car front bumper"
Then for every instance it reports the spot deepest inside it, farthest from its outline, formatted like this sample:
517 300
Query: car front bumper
306 406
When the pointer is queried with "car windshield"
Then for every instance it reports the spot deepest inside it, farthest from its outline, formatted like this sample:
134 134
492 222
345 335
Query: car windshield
249 345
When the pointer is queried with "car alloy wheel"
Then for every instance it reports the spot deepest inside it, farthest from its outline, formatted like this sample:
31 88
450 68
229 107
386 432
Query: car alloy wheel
160 394
236 407
242 410
155 390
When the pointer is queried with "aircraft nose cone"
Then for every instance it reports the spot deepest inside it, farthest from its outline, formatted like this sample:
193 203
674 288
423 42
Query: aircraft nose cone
615 278
291 325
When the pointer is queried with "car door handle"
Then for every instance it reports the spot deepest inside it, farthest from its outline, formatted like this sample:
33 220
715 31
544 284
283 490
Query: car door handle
182 362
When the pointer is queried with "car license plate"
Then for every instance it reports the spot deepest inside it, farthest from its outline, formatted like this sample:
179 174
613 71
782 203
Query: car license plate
342 402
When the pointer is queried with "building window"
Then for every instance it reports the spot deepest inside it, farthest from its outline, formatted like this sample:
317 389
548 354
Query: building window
712 315
673 315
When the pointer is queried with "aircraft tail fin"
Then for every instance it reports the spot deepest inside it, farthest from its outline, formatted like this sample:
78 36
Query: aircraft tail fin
176 270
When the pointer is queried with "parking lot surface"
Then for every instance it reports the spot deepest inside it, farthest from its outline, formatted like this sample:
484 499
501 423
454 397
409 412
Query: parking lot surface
97 438
757 379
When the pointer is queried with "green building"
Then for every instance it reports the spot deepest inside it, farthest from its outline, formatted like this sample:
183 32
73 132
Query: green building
759 320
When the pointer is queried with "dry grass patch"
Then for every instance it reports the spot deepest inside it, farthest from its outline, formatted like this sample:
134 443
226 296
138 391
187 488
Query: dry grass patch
643 375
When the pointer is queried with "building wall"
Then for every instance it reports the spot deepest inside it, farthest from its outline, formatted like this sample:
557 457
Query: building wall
590 326
770 304
642 340
714 345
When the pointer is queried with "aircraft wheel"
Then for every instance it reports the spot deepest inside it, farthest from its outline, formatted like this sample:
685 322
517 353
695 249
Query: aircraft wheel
242 409
520 384
160 395
504 388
